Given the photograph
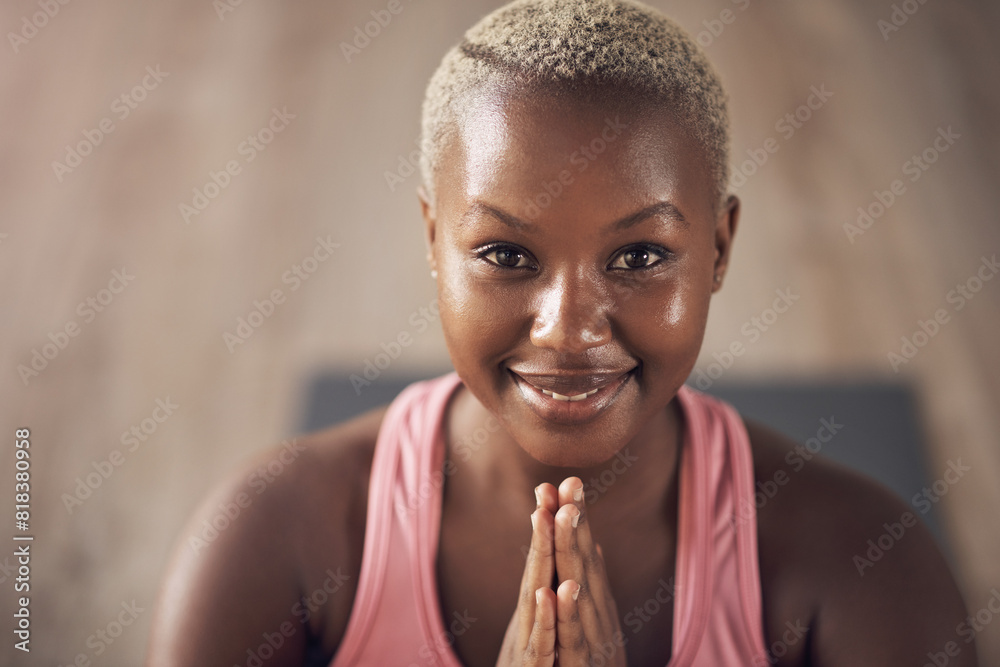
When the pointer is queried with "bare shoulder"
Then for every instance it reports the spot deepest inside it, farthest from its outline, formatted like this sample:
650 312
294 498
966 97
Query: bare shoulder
269 562
850 574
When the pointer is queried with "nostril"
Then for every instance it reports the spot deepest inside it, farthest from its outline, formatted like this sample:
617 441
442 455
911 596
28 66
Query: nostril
570 335
570 318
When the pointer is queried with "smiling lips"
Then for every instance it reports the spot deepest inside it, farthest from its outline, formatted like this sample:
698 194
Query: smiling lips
570 398
570 388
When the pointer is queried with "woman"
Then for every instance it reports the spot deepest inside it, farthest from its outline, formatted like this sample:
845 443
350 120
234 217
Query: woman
577 223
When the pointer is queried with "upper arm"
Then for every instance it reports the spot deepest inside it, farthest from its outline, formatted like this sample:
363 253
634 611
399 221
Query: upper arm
250 553
843 556
232 580
891 598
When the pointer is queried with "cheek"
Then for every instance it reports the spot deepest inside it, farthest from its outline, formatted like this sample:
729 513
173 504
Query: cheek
684 311
477 317
665 328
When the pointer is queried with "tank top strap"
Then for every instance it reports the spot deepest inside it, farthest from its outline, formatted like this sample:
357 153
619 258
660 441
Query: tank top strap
395 607
722 621
424 478
694 581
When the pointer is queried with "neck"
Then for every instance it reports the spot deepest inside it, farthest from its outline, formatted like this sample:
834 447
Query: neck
634 485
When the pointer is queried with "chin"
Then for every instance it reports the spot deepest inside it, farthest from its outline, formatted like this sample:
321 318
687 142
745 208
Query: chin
582 447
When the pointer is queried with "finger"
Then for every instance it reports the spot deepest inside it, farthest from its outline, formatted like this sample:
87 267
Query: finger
571 493
570 567
600 565
572 640
592 577
541 648
547 496
590 551
602 575
538 570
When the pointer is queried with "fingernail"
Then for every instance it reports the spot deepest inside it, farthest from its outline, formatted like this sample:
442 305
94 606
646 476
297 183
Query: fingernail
578 494
538 596
576 518
534 521
576 592
538 497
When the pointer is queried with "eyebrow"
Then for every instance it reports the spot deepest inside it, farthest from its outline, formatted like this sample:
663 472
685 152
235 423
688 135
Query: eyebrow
662 209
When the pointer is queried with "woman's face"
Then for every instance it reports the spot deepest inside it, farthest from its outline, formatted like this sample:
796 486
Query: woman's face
576 247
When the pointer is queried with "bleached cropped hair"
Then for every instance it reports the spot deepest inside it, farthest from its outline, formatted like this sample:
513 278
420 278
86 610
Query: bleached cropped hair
580 45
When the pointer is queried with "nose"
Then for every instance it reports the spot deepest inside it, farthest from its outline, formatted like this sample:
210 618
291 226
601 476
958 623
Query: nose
571 316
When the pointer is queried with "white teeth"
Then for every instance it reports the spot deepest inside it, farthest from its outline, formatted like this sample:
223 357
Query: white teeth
561 397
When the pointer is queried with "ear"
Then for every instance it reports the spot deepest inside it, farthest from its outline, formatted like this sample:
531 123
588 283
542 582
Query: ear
725 229
430 225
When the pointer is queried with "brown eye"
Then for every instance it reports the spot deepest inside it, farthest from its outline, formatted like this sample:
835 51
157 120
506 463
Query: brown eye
508 257
637 257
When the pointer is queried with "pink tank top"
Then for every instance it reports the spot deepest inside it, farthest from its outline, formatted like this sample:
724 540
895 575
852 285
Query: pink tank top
396 618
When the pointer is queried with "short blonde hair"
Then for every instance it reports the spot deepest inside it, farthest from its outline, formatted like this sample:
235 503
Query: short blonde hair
574 44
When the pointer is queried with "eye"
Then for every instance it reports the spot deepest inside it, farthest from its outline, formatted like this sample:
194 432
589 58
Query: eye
638 257
506 256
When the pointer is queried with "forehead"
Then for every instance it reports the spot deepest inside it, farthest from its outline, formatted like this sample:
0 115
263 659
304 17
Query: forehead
608 151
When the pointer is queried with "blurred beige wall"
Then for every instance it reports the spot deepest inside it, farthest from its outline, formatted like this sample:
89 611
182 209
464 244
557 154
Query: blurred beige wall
166 286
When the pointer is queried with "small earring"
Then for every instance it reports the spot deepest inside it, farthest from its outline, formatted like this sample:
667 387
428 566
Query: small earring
718 278
434 273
